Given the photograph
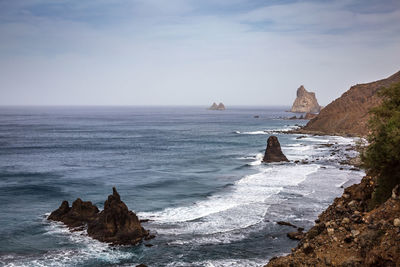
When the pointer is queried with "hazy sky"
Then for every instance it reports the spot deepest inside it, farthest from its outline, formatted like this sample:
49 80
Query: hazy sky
192 52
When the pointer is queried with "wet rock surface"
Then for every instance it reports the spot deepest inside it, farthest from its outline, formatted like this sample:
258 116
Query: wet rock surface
115 224
273 153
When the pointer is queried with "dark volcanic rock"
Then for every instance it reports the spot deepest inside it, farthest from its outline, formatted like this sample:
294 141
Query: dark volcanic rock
81 213
273 153
115 224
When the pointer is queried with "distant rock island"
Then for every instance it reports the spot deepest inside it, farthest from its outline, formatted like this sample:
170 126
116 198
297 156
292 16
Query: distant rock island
349 113
214 106
305 102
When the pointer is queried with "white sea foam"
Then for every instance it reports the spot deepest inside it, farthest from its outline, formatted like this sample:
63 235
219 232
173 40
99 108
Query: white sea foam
222 263
268 131
258 160
244 205
87 249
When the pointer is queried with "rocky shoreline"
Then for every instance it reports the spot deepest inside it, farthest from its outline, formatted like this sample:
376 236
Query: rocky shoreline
348 234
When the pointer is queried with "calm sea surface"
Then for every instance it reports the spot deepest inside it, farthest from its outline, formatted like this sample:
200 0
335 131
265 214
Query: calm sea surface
197 174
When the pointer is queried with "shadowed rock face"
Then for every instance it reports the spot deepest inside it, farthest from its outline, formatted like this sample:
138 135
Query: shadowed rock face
305 102
273 153
349 113
115 224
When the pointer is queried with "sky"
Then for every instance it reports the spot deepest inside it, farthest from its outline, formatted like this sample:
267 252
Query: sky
192 52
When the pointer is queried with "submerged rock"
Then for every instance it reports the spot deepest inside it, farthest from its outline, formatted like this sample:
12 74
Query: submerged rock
115 224
273 153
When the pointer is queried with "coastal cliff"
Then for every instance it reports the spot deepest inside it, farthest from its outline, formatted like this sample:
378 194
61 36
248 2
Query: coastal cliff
362 227
348 234
305 102
348 115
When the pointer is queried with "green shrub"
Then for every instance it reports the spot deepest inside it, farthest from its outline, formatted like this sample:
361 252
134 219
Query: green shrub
382 156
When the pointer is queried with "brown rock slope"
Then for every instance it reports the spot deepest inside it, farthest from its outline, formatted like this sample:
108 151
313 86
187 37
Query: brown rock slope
347 234
349 113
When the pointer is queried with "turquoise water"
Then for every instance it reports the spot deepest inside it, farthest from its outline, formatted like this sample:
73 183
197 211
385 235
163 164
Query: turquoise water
196 174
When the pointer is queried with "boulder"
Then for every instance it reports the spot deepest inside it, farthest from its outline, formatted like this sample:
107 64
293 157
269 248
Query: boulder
305 102
273 153
115 224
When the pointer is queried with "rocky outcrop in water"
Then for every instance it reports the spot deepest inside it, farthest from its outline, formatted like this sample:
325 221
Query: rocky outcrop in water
115 224
348 234
214 106
305 102
348 115
273 153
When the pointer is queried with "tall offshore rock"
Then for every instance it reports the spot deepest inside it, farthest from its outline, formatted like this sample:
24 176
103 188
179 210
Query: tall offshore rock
305 102
273 153
349 114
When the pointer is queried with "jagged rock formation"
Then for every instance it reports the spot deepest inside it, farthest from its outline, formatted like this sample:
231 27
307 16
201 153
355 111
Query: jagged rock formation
305 102
115 224
348 234
349 113
214 106
273 153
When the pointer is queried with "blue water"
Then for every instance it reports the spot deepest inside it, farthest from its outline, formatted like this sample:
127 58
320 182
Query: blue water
195 173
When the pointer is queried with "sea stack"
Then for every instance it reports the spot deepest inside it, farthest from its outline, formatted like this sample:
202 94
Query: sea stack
115 224
214 106
273 153
305 102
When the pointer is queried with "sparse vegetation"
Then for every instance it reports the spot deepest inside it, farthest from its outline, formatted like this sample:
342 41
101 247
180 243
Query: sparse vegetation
382 157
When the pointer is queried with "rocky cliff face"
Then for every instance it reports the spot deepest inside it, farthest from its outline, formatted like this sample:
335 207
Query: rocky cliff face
348 234
305 102
349 113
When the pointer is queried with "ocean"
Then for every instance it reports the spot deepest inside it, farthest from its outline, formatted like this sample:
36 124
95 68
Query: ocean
196 174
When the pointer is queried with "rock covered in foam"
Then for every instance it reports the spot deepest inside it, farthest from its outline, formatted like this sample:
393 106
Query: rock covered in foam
273 153
115 224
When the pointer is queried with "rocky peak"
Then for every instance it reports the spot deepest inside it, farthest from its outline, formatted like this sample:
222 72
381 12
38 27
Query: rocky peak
273 153
115 224
305 102
301 91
